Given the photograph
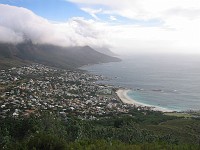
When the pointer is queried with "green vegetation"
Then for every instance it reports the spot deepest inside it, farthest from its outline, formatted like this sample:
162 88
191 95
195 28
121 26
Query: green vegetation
140 130
179 114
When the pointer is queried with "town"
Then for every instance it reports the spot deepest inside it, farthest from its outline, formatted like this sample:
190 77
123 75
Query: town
37 88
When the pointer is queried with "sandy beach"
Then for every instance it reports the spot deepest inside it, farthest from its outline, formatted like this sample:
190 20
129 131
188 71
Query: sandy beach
122 94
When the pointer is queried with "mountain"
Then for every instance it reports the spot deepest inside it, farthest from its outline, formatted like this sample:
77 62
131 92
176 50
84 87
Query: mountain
105 51
56 56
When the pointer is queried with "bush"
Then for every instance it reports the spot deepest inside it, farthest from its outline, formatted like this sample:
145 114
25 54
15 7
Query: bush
44 141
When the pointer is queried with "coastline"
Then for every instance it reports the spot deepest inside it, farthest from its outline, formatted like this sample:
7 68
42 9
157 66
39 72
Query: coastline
122 94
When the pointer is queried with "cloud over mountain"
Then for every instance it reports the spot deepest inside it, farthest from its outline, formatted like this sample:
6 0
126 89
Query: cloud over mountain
18 24
149 26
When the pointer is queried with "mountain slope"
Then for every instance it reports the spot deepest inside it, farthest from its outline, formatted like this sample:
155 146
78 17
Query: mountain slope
63 57
105 51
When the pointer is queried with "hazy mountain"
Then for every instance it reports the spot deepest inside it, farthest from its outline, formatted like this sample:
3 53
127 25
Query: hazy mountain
63 57
105 51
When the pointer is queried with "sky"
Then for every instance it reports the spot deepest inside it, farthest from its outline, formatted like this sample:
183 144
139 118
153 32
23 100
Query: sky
128 26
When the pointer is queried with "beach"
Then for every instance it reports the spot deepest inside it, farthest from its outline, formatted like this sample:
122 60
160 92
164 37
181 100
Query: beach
122 94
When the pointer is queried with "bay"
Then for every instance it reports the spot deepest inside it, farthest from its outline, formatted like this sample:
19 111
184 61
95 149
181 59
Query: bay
168 81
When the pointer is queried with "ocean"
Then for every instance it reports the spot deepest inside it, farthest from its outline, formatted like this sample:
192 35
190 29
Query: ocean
168 81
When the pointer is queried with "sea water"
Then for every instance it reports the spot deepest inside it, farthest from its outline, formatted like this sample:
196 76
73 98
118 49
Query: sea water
168 81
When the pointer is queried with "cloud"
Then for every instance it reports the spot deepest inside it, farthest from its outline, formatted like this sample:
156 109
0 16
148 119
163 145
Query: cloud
113 18
92 12
140 9
8 35
147 10
18 23
179 33
179 30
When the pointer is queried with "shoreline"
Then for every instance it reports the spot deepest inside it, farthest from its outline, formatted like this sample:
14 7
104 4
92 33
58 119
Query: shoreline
122 94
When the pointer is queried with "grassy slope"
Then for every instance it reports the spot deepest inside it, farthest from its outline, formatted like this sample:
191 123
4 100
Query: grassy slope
186 130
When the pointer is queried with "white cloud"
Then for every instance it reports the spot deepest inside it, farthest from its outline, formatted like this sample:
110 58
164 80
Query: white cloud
179 29
92 12
140 9
8 35
147 10
113 18
17 23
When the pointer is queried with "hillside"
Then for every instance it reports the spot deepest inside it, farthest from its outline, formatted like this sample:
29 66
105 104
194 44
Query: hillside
105 51
113 132
56 56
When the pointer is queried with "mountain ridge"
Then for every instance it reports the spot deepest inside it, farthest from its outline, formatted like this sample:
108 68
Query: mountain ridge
105 51
51 55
